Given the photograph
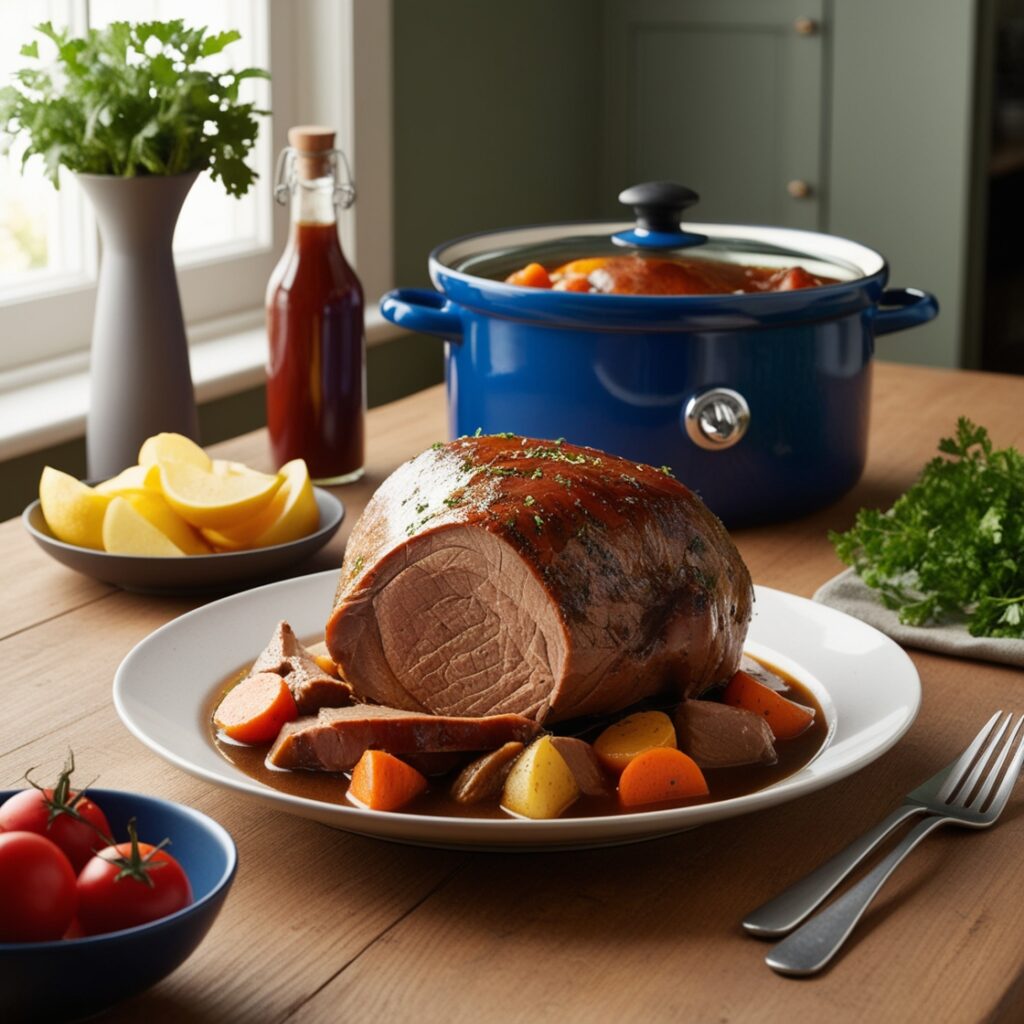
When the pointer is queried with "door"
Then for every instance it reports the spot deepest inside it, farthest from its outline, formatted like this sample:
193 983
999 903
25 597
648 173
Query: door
724 96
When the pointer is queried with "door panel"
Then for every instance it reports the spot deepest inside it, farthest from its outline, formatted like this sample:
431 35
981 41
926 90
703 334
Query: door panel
725 96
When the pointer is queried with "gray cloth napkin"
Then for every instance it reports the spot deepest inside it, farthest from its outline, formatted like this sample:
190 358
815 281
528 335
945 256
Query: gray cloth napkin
848 593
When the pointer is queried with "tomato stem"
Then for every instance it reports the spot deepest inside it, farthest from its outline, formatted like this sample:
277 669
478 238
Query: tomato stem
135 865
62 802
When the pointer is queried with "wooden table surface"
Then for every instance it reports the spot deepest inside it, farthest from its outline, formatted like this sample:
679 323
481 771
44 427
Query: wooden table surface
326 926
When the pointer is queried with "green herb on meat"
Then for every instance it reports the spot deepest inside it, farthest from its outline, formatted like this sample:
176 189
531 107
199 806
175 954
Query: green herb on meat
953 545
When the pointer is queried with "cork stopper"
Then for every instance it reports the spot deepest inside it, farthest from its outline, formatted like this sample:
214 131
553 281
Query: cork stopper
313 145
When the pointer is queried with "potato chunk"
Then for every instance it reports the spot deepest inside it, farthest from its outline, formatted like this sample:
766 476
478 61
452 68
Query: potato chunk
632 735
541 784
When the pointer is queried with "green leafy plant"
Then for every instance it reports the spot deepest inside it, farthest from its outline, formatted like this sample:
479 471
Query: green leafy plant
953 545
134 99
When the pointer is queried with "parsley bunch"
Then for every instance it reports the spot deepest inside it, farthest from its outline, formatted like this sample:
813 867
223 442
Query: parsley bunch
953 545
132 99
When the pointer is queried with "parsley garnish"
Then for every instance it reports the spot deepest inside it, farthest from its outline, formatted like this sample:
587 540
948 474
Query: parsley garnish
954 543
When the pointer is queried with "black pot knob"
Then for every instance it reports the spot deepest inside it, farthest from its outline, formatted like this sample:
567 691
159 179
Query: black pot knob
658 207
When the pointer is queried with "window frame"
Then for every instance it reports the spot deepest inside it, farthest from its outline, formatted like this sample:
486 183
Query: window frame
317 73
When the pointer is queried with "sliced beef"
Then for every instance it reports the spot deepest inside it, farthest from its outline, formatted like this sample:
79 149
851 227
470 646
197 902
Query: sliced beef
504 574
719 736
582 761
311 686
336 738
761 674
484 778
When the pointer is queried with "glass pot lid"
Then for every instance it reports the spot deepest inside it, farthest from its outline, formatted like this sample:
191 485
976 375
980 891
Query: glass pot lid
657 234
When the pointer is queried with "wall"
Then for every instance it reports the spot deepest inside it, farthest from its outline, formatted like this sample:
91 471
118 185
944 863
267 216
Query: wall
497 119
902 139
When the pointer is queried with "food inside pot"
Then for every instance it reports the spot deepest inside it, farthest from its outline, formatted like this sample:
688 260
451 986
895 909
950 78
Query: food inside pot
531 628
641 275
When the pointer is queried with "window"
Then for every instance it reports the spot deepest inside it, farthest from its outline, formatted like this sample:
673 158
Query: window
225 248
48 242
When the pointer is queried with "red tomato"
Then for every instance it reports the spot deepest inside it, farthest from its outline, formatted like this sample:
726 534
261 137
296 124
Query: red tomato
128 885
37 889
70 820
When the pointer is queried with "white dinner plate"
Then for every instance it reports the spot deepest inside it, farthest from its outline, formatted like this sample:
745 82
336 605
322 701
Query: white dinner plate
866 685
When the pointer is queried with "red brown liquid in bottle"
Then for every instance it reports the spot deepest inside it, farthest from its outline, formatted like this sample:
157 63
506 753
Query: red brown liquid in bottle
315 376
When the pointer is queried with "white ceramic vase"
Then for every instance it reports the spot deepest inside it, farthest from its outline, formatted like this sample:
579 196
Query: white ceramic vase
140 381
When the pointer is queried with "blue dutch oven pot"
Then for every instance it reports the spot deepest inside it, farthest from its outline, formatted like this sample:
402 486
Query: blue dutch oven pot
759 402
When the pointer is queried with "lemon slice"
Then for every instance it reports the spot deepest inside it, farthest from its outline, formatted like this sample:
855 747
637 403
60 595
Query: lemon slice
128 532
227 467
73 510
205 499
291 514
152 506
134 478
173 448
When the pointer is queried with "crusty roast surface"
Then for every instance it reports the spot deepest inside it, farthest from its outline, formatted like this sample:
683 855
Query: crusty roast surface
501 574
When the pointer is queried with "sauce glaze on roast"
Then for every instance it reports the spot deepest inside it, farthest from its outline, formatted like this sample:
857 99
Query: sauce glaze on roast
632 584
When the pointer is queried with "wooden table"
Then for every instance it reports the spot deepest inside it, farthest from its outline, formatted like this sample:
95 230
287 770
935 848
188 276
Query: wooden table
326 926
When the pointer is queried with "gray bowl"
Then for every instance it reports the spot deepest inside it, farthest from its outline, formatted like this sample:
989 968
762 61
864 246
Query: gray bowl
193 573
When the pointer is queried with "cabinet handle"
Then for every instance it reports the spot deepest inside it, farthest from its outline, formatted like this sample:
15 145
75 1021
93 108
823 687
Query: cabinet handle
804 26
799 189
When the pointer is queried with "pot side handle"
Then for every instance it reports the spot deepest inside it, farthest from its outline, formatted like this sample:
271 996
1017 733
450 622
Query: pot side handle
424 311
910 307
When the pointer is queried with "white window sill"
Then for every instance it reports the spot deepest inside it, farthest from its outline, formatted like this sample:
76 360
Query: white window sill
41 407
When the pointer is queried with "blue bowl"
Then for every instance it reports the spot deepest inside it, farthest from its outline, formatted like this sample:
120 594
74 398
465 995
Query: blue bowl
78 977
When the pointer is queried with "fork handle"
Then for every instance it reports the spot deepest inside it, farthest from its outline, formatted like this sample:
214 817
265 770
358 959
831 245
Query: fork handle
783 913
814 944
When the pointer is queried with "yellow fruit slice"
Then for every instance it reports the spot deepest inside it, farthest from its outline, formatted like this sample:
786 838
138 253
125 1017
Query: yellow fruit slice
134 478
291 514
152 506
299 515
205 499
173 448
227 467
73 510
127 532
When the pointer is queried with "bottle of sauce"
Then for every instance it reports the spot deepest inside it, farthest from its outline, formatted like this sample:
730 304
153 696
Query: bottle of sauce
316 373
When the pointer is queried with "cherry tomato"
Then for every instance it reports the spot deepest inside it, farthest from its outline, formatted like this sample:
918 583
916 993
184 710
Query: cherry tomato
37 889
78 828
69 819
128 885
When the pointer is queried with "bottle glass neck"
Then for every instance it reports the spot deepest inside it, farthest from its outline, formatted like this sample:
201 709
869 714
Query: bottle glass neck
313 201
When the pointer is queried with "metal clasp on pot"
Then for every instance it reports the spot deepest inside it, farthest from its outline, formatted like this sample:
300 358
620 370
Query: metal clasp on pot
717 418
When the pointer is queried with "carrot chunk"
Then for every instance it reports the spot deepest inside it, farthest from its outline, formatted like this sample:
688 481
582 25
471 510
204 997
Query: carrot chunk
785 718
255 709
659 774
384 782
574 283
533 275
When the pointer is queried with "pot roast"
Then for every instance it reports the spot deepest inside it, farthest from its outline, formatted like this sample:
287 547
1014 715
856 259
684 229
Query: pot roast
506 575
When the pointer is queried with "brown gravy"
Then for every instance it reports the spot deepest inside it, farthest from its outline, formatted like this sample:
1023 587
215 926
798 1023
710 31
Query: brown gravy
723 783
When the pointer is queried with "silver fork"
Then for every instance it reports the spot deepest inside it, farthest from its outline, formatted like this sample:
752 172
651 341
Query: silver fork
781 914
962 801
